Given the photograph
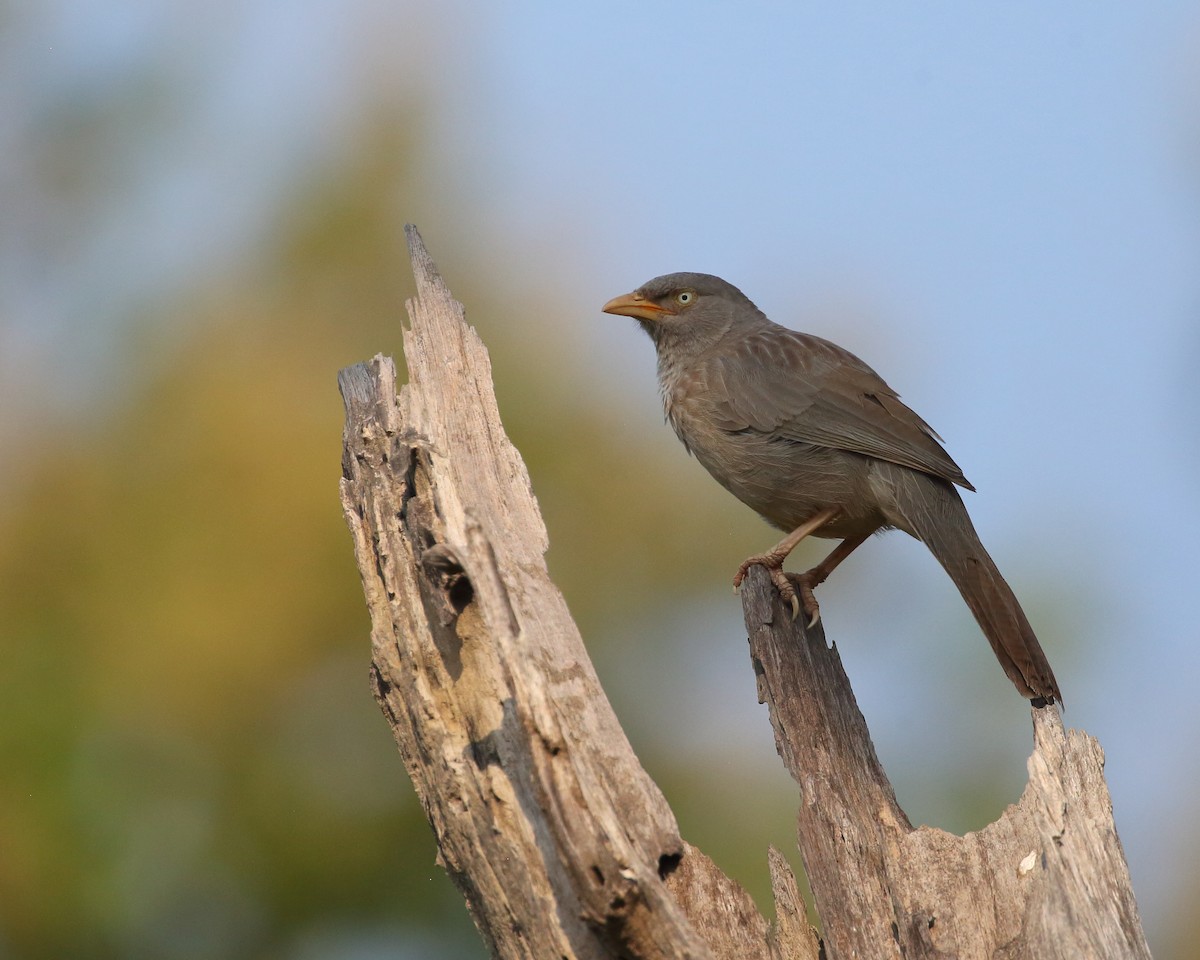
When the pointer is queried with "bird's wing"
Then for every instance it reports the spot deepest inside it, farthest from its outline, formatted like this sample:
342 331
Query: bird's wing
803 388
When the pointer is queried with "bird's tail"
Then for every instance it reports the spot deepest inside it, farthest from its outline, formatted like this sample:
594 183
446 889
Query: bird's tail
932 511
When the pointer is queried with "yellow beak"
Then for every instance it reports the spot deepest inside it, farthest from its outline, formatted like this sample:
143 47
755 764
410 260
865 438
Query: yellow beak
634 305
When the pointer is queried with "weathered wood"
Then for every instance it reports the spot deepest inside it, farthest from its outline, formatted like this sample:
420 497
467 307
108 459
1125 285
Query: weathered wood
559 840
1046 880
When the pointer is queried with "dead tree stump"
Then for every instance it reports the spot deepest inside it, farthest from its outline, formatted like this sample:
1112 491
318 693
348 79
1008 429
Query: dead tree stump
560 842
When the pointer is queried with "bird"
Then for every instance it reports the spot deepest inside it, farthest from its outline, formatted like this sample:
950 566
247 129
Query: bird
812 439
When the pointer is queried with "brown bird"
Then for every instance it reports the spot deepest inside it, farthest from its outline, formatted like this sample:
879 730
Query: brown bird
811 438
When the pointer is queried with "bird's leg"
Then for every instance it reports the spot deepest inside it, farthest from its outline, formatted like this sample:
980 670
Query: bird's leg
773 561
817 575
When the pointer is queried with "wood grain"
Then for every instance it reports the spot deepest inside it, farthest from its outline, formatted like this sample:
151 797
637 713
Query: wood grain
1046 880
559 840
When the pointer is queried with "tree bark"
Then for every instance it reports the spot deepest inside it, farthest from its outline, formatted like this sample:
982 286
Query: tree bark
560 842
1046 880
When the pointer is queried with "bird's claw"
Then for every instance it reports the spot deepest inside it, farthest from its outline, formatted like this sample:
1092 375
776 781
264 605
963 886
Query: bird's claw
808 599
796 600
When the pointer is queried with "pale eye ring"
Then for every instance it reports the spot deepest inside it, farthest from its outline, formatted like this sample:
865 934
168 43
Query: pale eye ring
684 297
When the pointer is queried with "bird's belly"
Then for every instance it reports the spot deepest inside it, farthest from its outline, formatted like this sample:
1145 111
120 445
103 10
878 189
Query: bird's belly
788 482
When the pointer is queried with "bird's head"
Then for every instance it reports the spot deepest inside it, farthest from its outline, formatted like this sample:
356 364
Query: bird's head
696 308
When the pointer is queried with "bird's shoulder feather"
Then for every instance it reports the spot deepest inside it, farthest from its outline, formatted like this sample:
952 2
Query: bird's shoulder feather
802 388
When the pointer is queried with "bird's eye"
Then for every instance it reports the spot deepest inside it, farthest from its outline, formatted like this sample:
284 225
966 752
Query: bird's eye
684 297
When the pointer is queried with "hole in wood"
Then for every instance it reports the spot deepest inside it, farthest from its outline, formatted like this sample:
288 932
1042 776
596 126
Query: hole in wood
667 864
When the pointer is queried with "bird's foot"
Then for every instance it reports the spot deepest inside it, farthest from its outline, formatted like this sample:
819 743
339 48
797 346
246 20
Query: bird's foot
804 583
784 584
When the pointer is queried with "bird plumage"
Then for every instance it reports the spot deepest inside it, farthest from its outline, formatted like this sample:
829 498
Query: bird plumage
794 425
